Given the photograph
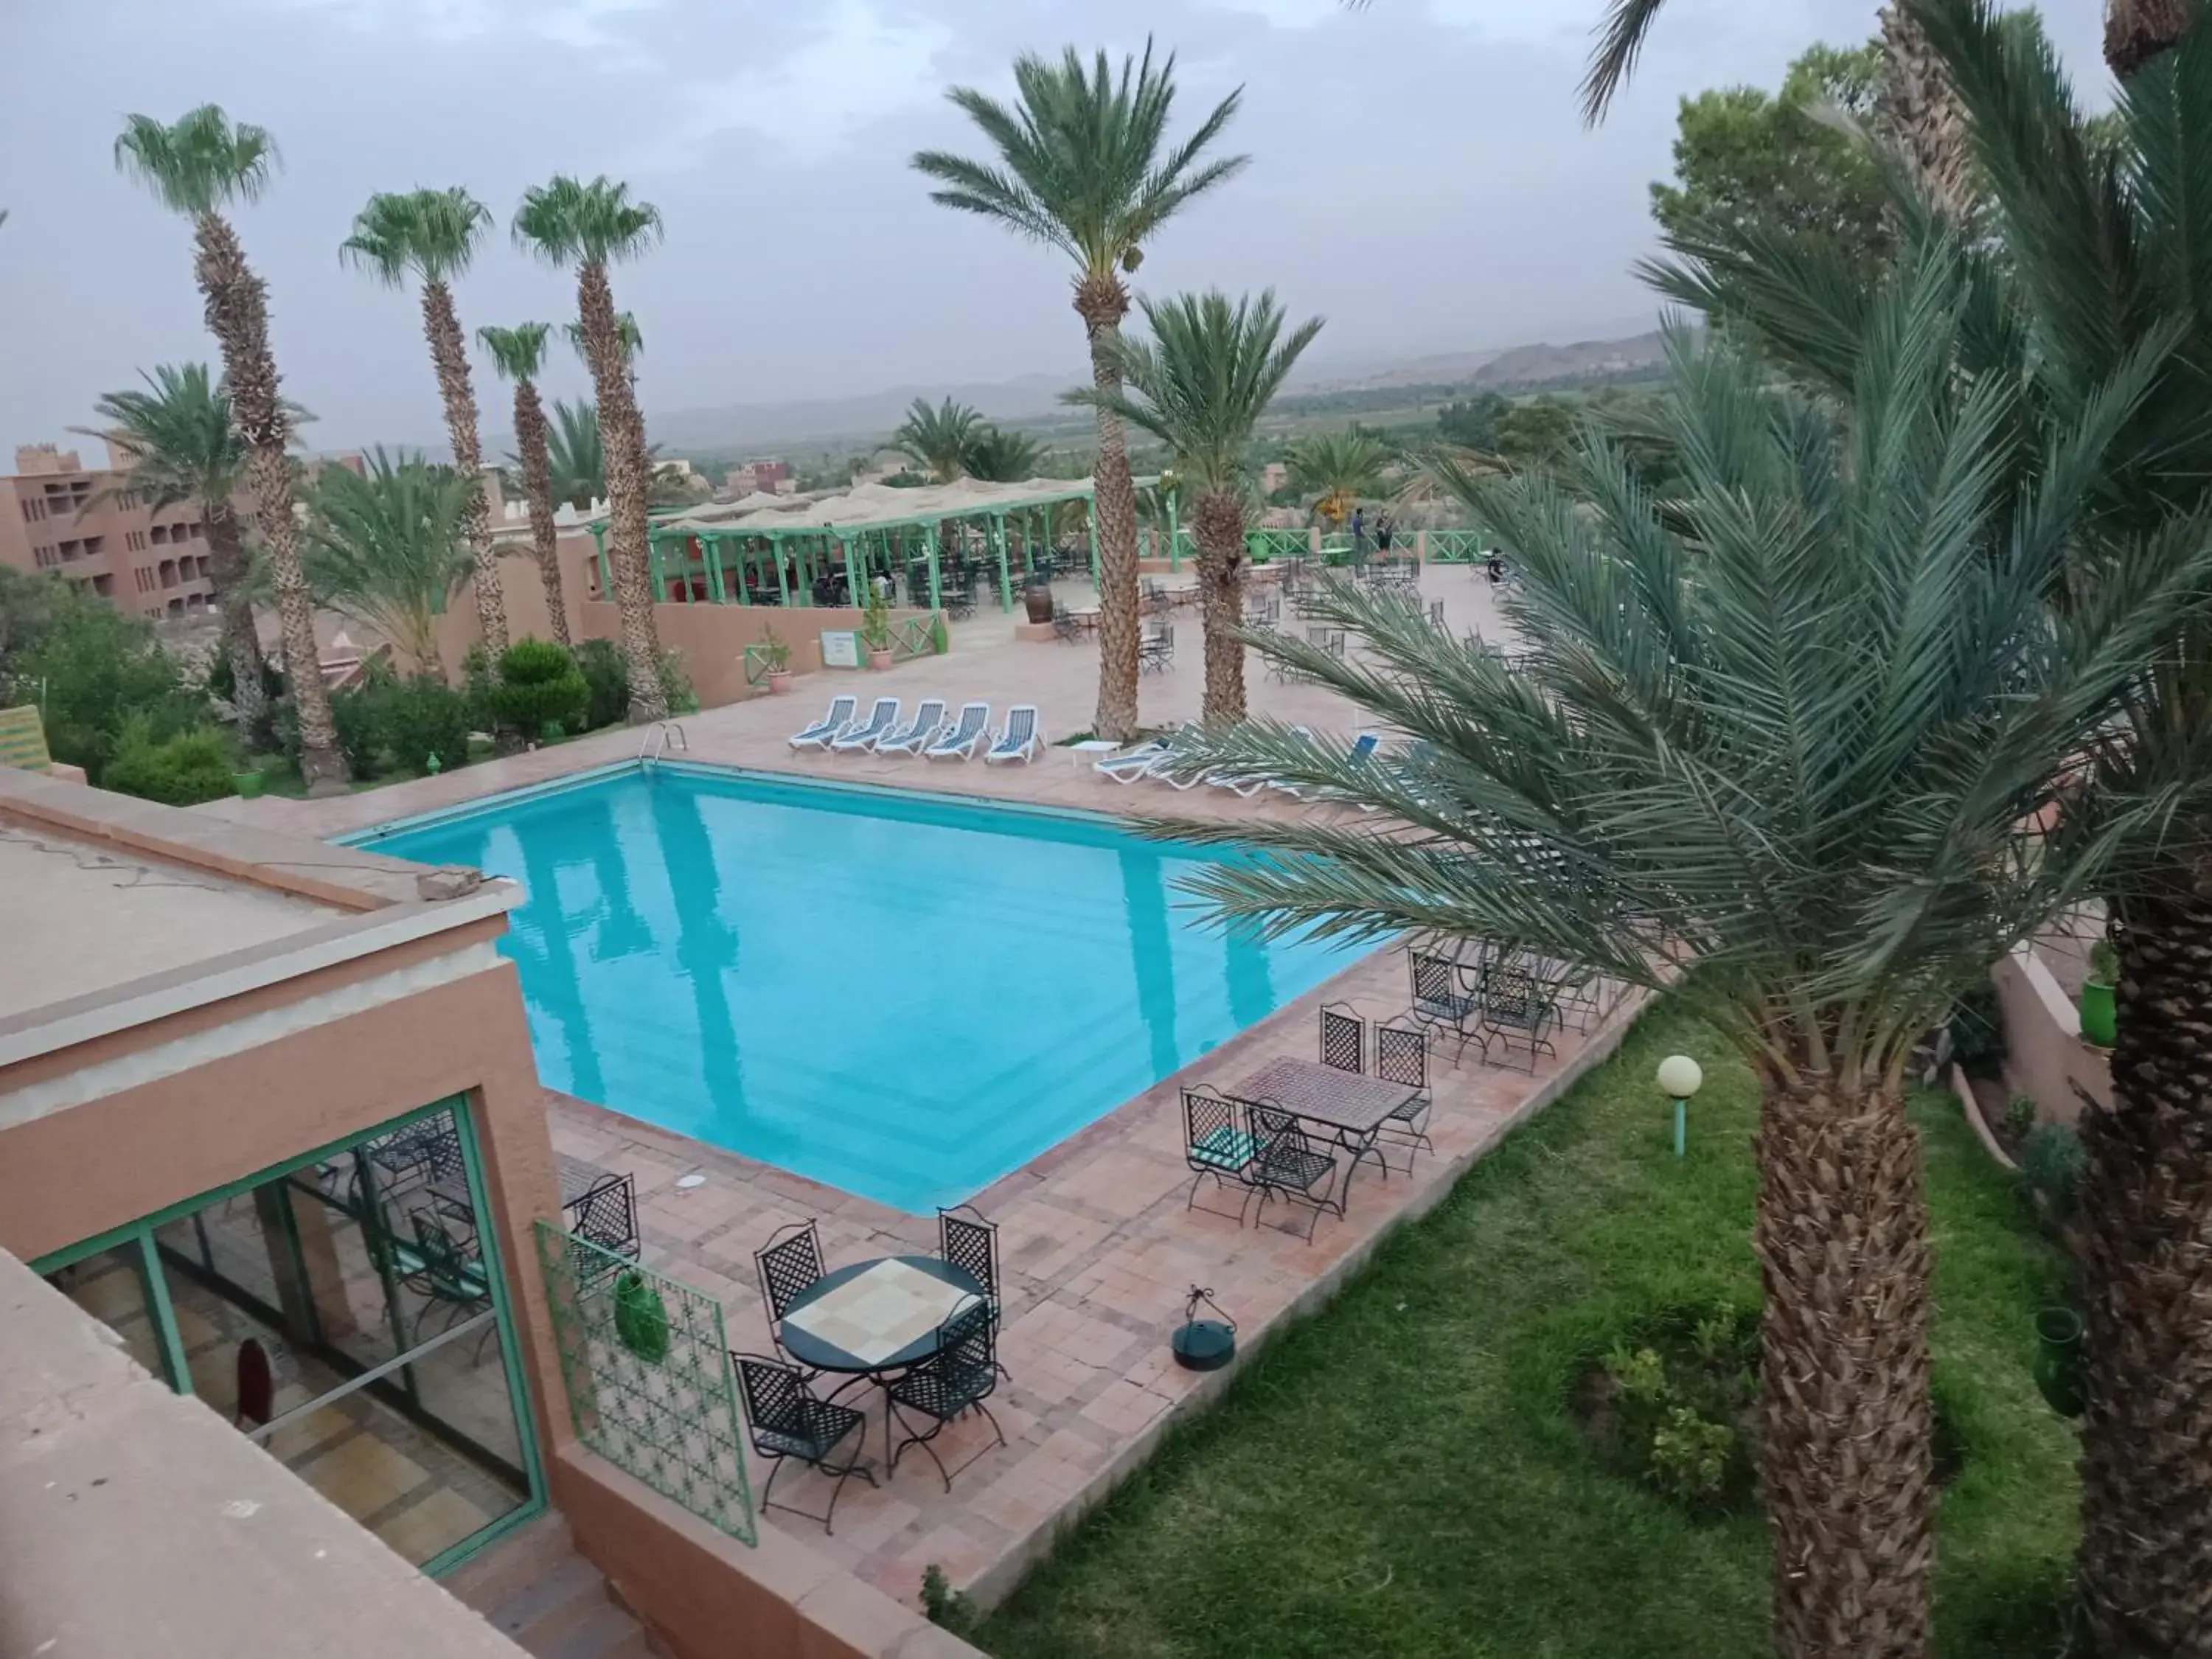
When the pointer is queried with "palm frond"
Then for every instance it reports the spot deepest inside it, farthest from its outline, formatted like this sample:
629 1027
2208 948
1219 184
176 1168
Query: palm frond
199 163
517 352
1620 38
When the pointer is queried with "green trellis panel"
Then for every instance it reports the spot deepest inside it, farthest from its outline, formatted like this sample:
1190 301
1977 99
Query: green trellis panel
656 1400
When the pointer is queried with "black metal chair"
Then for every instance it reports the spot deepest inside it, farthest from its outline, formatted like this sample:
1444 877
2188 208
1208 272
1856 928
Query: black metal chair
1156 651
1343 1038
1289 1165
1440 995
1216 1143
966 1240
787 1266
785 1421
606 1214
1515 1008
1402 1055
958 1378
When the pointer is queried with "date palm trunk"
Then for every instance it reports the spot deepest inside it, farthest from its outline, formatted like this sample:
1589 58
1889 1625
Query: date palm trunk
241 642
2136 31
1103 302
2145 1567
1922 113
622 434
237 311
1846 1463
1217 524
449 354
530 438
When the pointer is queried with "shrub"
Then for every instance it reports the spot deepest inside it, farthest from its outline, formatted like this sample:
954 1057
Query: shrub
537 686
1690 1457
91 668
2105 963
360 721
1678 1397
2018 1117
1978 1039
181 770
423 717
676 684
600 662
946 1607
2051 1161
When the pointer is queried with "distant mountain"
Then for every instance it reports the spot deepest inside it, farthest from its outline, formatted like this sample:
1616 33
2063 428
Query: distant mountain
819 423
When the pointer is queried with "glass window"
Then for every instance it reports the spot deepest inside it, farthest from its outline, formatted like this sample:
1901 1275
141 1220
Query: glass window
346 1315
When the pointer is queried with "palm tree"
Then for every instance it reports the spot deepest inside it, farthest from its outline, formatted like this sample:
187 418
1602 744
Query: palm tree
519 354
626 331
182 446
433 235
939 440
1338 469
998 456
1768 750
1200 386
389 548
1081 165
575 458
587 227
197 167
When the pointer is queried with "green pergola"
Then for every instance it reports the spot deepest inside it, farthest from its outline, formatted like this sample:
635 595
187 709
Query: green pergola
730 560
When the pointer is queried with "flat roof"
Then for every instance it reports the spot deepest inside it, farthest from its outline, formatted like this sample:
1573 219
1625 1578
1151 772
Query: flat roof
81 916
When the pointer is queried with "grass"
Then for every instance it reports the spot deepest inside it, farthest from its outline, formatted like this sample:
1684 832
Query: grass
1400 1476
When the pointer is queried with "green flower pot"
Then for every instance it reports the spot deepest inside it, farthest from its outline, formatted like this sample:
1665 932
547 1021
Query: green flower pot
641 1318
248 784
2059 1359
2099 1015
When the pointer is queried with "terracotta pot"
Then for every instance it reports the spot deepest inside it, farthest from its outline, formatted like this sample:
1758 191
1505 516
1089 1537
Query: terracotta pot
778 682
879 660
1037 601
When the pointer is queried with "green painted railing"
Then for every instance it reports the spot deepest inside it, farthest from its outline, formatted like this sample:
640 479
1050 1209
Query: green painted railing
1454 546
646 1366
1276 543
918 637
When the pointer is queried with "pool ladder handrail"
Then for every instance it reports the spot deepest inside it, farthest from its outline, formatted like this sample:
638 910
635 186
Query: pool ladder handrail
656 741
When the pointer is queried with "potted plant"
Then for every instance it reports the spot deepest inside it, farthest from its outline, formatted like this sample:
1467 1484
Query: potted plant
1036 597
2099 1011
248 784
876 628
775 655
641 1318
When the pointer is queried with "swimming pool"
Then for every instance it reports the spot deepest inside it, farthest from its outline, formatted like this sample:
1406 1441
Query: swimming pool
899 994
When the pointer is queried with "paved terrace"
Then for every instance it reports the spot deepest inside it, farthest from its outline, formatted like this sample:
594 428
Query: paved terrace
1098 1247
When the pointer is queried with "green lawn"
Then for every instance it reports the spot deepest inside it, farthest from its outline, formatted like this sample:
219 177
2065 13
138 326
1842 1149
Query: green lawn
1401 1475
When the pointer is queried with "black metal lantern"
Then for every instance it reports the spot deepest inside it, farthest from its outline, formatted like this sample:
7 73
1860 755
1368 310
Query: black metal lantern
1204 1345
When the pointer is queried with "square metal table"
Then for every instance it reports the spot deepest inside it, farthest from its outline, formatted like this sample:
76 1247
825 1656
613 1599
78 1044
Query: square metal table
1352 1105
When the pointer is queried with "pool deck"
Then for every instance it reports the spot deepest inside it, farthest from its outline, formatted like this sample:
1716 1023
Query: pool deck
1096 1246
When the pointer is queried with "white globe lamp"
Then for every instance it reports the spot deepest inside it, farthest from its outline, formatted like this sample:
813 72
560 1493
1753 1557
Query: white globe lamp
1681 1078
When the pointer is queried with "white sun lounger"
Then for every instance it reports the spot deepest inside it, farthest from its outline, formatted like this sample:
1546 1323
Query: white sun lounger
859 739
1132 764
928 721
1021 739
965 736
818 735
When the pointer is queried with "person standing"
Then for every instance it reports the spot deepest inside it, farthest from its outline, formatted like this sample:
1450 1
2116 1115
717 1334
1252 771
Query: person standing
1384 531
1359 535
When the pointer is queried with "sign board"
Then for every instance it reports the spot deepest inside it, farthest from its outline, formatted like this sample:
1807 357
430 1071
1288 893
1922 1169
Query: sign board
23 738
840 647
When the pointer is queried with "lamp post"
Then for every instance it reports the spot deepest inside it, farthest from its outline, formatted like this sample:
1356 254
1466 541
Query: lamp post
1681 1077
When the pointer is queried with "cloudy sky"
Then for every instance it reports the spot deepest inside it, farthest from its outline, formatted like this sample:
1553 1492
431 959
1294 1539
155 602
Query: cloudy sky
1419 176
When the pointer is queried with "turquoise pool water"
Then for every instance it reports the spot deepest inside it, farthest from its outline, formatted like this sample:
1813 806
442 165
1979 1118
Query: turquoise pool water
902 996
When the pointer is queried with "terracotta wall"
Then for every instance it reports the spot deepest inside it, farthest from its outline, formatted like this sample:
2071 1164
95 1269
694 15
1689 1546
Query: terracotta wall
2046 1058
63 1179
711 637
705 1595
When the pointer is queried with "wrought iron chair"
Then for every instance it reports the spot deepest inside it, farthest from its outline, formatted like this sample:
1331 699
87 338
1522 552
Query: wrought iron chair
1402 1055
1441 997
785 1421
606 1214
1515 1008
1343 1038
449 1277
1156 651
1216 1143
966 1240
958 1378
1289 1165
787 1266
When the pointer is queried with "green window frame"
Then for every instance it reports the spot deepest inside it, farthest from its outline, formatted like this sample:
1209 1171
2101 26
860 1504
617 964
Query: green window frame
140 1235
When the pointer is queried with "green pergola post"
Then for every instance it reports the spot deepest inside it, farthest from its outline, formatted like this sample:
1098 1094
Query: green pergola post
653 566
1175 534
929 548
606 576
853 567
782 581
715 591
1005 582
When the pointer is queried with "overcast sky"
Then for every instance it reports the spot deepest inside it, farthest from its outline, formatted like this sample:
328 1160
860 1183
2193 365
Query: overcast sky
1418 175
